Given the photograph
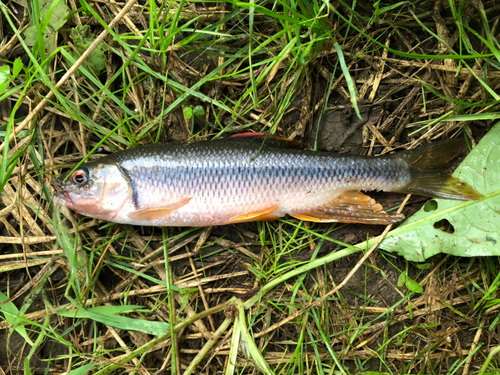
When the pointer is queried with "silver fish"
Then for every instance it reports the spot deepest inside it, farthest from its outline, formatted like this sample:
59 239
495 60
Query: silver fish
239 180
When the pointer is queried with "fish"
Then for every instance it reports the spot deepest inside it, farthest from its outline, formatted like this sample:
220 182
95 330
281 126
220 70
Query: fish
252 177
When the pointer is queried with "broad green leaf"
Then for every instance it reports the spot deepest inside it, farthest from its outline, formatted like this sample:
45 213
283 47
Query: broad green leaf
459 228
4 73
413 285
188 112
30 36
58 11
10 311
3 87
104 315
18 66
401 279
4 78
199 111
50 40
53 14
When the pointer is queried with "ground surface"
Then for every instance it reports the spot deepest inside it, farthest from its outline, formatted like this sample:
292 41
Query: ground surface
199 70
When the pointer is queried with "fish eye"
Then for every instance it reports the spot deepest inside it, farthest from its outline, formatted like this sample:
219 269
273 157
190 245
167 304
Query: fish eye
80 177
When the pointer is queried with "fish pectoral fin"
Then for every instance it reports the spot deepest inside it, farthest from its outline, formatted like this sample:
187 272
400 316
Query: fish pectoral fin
351 207
253 216
157 212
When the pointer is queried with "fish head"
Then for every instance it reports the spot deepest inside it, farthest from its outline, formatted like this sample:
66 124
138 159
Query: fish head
99 190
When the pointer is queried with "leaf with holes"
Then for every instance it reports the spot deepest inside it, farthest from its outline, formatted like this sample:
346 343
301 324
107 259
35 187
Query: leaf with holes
458 228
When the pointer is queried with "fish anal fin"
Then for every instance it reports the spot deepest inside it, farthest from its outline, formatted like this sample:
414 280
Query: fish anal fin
157 212
350 207
253 216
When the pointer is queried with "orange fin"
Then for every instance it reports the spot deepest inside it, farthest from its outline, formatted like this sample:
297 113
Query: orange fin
351 207
253 216
158 212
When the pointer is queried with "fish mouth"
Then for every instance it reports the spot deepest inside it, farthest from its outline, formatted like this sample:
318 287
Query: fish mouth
62 198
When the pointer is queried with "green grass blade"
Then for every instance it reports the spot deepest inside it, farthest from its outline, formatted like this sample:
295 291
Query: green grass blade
350 82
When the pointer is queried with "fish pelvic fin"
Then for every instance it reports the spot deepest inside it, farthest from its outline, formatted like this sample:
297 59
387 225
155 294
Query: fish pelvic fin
261 215
351 207
426 172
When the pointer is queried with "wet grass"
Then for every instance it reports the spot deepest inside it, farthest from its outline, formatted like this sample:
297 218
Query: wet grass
80 295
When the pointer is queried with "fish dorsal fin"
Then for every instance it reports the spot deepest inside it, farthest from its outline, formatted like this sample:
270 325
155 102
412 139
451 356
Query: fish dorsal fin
253 216
269 140
350 207
157 212
433 155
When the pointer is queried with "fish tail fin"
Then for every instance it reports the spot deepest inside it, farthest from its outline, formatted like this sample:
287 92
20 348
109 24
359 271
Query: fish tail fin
440 185
427 176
